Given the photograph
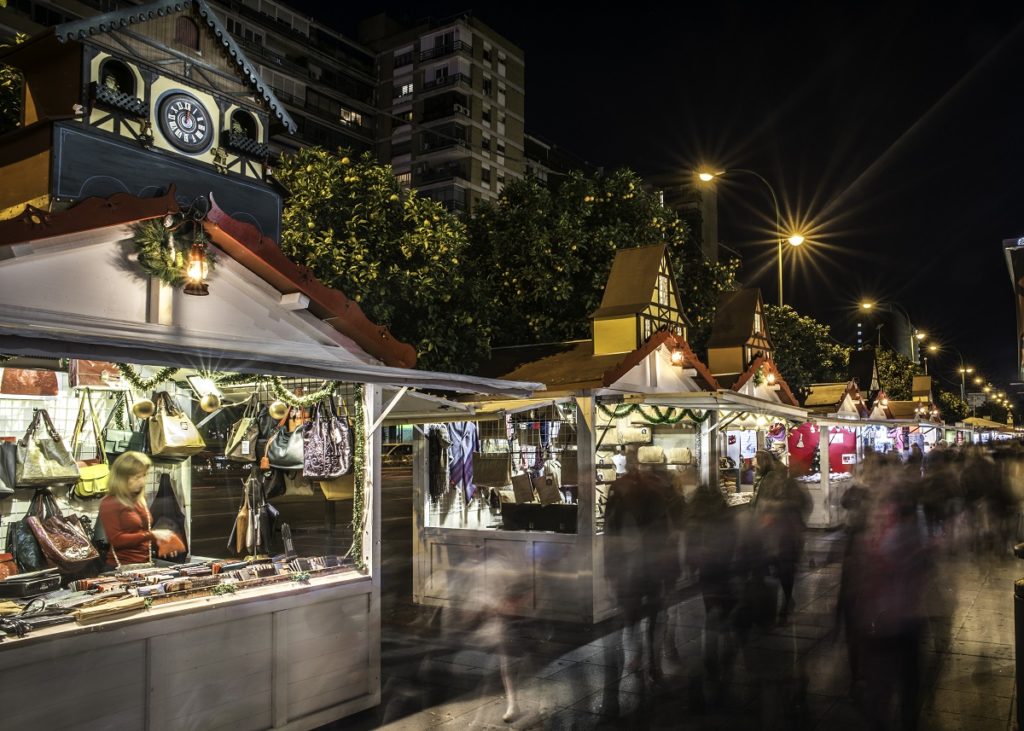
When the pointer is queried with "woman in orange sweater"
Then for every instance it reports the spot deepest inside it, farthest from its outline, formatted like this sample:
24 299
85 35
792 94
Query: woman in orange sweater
124 512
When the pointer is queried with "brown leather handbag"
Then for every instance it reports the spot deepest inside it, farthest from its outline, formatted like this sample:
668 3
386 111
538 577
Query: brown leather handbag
62 540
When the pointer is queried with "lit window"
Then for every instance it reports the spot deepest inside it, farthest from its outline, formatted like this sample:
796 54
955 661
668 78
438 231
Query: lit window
352 119
406 89
404 179
757 323
662 290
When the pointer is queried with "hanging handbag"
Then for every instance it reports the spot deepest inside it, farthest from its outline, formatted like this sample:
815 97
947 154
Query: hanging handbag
62 540
171 432
8 566
21 541
93 475
28 382
166 513
94 373
245 433
285 449
327 451
44 459
117 429
339 488
8 468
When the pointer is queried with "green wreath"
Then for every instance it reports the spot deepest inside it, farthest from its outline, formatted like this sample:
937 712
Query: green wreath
159 258
654 414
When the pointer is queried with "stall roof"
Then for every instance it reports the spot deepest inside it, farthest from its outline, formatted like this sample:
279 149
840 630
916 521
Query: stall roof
982 423
573 366
42 252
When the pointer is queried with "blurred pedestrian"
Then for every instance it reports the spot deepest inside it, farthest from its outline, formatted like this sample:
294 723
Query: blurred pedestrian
781 507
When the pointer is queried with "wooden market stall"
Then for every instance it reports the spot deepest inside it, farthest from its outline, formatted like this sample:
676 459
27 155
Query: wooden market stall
297 646
532 513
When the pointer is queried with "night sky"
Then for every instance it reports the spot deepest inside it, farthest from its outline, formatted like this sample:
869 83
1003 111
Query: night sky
893 132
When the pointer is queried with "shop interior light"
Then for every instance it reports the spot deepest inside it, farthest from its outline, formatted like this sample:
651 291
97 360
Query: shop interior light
677 356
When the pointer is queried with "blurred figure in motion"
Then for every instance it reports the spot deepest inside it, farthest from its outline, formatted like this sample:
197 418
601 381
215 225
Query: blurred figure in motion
641 562
887 574
711 538
781 507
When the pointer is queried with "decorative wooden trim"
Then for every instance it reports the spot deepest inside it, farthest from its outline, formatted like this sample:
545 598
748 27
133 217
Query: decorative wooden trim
672 340
91 213
261 255
772 368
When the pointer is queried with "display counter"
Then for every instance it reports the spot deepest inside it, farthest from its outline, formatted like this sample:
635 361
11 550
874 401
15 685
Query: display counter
286 656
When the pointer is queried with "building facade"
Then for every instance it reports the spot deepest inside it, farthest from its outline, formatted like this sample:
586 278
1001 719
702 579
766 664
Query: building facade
451 95
326 81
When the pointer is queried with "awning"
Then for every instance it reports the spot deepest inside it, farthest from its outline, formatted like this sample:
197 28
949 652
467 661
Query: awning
40 333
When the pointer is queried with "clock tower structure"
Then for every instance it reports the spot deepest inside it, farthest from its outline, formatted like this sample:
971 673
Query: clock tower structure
135 100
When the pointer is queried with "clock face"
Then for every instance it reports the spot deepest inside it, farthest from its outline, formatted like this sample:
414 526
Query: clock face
185 122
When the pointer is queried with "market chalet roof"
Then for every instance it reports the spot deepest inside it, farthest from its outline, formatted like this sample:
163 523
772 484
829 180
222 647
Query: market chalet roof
734 318
863 369
240 240
828 397
79 30
572 366
633 277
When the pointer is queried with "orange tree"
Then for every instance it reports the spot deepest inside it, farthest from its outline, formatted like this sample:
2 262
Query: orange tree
399 255
544 254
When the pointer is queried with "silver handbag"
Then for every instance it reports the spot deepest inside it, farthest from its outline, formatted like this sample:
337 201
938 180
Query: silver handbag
44 459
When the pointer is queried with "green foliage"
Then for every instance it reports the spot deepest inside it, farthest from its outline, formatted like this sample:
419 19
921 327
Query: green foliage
399 255
803 349
10 92
994 411
952 407
895 374
158 258
545 254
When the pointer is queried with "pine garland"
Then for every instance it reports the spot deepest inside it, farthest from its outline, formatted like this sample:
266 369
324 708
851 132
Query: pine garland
145 384
305 401
359 468
161 260
654 414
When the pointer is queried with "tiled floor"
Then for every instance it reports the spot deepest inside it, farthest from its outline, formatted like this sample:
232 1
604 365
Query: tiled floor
442 671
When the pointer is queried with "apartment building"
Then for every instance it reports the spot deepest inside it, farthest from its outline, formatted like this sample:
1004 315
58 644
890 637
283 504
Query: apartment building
451 96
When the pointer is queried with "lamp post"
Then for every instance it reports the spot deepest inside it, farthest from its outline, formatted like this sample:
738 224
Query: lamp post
794 239
916 336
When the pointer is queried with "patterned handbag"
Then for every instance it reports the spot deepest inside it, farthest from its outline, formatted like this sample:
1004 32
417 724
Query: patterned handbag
327 451
44 459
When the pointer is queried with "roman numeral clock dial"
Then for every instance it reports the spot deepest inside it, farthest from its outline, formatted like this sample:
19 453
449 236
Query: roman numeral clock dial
185 123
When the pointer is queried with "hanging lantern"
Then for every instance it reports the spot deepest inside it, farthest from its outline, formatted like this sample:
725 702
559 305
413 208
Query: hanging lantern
677 356
197 271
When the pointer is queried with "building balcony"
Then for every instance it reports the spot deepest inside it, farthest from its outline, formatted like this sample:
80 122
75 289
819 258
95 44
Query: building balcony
450 80
446 50
423 174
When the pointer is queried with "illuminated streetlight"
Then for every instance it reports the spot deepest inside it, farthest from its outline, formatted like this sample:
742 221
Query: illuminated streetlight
915 334
796 239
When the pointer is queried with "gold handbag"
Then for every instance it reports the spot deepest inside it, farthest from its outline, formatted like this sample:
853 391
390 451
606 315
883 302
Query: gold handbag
92 475
340 488
171 432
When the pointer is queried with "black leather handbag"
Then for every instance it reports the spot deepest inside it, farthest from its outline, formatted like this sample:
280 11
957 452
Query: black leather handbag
327 441
21 541
285 449
8 467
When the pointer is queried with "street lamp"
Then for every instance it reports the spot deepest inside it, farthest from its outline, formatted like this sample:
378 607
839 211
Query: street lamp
963 371
795 239
915 334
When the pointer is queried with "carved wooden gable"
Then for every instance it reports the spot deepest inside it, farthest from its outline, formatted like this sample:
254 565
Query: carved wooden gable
641 298
740 332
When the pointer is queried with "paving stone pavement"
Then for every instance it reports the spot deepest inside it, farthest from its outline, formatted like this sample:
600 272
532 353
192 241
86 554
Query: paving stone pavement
440 669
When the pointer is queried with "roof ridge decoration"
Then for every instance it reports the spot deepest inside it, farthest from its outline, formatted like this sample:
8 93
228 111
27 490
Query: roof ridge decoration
617 371
755 366
76 30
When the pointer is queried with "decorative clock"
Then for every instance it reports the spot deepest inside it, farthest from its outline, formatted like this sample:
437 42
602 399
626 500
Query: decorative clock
185 122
